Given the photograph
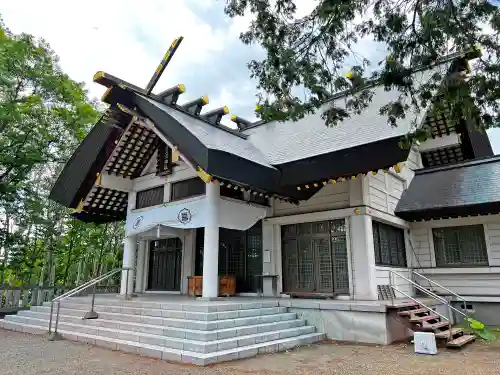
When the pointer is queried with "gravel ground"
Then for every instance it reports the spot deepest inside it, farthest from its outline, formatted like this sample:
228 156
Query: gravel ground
23 354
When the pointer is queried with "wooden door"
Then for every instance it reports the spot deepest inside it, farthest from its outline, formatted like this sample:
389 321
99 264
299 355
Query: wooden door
315 258
240 255
165 258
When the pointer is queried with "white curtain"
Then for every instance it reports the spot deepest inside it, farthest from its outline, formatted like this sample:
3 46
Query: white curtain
192 214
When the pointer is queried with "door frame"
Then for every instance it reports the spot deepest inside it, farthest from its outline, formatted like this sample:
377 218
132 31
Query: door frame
245 235
314 253
178 263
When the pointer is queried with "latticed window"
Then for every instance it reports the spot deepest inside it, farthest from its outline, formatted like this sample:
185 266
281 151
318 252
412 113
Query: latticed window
187 188
315 257
150 197
460 246
389 245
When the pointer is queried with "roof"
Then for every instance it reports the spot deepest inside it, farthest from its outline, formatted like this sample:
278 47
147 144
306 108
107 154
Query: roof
288 160
214 137
284 142
217 151
88 160
467 188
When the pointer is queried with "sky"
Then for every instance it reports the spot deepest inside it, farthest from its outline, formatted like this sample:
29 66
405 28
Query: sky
128 38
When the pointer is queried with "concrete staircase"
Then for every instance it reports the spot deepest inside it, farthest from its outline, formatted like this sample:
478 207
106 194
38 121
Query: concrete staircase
195 333
420 318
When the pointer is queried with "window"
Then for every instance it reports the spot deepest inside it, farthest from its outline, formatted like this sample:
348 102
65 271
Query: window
163 160
460 246
150 197
187 188
389 244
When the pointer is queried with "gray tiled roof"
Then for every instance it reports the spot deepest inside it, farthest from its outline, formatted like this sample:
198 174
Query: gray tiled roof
284 142
465 184
215 138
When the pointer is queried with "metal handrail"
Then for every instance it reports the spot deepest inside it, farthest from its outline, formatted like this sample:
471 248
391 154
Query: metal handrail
83 286
72 292
441 287
421 288
420 303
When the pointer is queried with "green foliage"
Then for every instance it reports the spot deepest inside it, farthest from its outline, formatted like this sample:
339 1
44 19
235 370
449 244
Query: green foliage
43 117
309 54
41 109
480 330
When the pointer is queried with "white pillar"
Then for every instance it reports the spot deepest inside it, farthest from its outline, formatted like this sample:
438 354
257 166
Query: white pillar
363 258
211 243
141 263
268 260
129 262
188 258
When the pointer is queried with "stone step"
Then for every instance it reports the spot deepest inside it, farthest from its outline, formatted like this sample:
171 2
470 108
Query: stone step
446 334
171 342
182 333
156 351
177 322
460 341
176 314
194 306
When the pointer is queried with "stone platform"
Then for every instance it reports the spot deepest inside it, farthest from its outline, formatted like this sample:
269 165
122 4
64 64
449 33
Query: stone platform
184 329
174 327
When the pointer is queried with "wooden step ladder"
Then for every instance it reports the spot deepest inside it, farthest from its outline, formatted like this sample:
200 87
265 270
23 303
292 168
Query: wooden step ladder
420 318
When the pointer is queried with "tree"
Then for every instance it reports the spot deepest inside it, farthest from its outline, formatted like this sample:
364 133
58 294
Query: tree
311 53
41 109
44 115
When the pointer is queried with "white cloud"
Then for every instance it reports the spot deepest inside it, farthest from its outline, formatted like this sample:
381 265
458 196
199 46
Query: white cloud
125 38
128 39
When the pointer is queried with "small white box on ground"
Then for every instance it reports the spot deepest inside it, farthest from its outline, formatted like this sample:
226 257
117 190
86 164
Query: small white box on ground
425 343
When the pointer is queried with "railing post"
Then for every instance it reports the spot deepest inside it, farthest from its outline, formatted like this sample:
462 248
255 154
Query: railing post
92 314
54 335
390 288
126 284
50 318
450 317
57 316
466 314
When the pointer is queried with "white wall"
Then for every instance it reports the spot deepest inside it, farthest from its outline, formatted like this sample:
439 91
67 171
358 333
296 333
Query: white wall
467 281
414 161
329 197
378 194
151 180
385 190
492 230
188 257
401 284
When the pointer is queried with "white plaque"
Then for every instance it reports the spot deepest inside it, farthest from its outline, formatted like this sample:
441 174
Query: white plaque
267 256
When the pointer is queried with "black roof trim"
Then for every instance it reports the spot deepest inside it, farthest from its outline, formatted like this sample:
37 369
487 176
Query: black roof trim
213 161
451 212
97 218
80 172
344 163
122 95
